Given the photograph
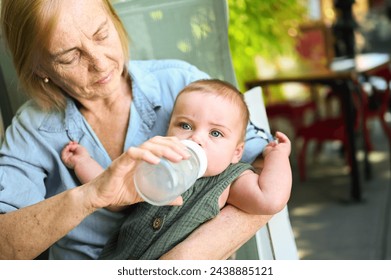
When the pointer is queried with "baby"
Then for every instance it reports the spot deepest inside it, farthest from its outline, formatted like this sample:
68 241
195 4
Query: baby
213 114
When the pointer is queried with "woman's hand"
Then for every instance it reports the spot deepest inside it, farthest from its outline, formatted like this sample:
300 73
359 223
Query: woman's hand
115 186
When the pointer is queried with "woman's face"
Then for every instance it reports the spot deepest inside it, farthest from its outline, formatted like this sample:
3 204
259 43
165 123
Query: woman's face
84 56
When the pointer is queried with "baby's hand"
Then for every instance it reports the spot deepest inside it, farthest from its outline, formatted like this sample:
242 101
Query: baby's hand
73 153
282 144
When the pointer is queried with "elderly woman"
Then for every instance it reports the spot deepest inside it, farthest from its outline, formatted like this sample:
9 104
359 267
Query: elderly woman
72 58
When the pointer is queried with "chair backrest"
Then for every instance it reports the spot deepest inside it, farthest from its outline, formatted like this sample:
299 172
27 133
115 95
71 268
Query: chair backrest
380 80
255 104
275 240
11 95
4 105
191 30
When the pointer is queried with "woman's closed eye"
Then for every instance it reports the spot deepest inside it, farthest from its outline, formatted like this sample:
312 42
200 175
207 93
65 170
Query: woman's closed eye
69 59
101 36
102 32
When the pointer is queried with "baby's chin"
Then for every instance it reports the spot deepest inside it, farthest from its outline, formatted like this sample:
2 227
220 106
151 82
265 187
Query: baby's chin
213 172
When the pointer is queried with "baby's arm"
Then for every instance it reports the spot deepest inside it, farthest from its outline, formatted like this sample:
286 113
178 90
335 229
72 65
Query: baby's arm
268 192
77 158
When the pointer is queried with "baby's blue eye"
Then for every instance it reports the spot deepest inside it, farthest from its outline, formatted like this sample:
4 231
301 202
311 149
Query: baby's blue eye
216 133
185 126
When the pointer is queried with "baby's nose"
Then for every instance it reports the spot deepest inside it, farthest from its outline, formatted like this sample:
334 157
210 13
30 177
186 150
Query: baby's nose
198 139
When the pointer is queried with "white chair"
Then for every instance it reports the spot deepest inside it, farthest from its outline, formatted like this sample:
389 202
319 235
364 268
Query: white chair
275 241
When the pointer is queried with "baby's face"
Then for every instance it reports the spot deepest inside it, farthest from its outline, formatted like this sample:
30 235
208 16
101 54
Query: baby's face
214 123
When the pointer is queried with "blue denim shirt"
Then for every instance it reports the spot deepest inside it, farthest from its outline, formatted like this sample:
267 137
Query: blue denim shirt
31 169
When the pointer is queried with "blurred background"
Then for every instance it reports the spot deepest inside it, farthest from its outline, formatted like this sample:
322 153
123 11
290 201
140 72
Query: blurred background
268 37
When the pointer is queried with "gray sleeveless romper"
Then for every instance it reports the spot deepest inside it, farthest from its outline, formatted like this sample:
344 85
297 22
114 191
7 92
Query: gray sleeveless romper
150 231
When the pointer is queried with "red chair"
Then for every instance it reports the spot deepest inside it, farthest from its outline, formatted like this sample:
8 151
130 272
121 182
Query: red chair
374 104
326 129
377 102
293 111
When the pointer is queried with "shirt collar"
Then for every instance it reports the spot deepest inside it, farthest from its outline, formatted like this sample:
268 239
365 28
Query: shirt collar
146 92
73 119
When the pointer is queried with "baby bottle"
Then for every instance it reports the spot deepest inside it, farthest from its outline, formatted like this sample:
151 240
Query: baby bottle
161 183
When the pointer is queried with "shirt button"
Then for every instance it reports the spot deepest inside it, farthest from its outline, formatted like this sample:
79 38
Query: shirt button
157 223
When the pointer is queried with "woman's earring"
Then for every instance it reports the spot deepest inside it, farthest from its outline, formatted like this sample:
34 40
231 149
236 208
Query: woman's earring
46 80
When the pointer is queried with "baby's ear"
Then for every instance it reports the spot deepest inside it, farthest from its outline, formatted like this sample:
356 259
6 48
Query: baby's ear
237 155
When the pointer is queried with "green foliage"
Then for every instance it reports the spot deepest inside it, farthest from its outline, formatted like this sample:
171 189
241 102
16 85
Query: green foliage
260 27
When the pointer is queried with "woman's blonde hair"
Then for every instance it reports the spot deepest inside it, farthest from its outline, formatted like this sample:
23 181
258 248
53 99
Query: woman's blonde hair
27 27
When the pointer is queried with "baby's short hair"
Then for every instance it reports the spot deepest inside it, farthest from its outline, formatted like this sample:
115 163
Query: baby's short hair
224 90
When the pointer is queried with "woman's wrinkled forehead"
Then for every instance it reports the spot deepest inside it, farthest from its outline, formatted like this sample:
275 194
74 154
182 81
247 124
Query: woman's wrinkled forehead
62 13
69 20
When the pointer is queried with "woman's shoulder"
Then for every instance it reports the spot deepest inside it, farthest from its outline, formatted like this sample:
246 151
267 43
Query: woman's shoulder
163 64
31 115
167 67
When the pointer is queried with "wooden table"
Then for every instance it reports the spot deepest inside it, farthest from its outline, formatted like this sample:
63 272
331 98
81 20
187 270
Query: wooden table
342 76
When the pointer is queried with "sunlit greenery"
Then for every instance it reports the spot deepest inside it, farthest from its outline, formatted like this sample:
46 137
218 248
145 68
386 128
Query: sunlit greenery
262 27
